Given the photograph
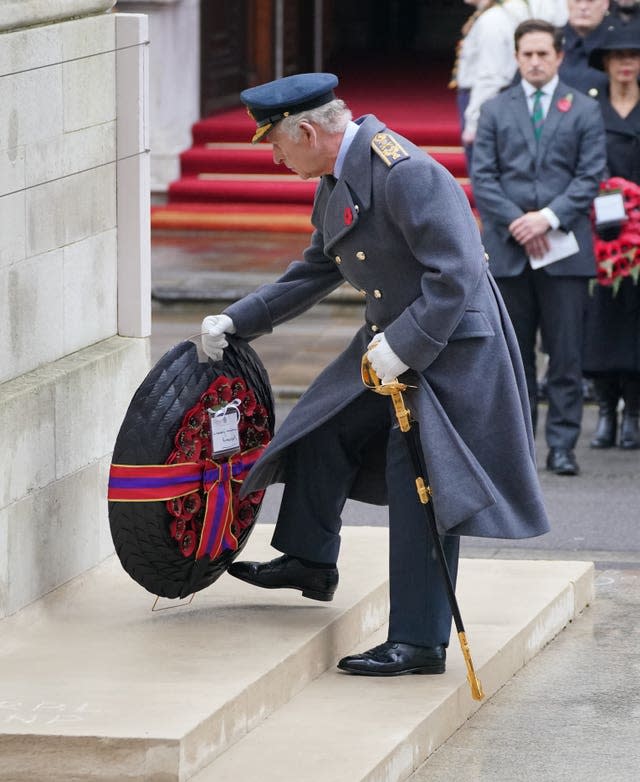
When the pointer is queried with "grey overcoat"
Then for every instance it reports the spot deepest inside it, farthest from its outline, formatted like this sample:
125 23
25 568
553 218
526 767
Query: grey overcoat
398 227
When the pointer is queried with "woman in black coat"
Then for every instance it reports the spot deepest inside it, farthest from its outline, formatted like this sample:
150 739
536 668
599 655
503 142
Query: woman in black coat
612 337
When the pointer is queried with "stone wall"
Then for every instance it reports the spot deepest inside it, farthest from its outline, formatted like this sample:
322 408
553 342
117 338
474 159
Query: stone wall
74 280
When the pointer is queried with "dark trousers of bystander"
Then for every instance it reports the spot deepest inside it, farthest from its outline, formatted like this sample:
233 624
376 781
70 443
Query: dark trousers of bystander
555 305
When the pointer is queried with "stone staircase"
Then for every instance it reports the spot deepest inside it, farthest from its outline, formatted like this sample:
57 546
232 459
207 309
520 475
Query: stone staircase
241 683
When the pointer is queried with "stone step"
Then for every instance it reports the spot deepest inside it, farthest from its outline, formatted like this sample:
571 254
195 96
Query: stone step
94 686
97 687
359 729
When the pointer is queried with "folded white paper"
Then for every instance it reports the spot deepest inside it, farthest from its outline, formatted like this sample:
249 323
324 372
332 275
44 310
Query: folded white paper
561 245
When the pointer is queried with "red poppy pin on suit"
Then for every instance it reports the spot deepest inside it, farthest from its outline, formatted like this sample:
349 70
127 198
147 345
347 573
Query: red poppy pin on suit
564 104
348 216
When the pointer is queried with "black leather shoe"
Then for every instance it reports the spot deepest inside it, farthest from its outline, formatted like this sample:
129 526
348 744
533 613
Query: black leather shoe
287 572
394 659
562 461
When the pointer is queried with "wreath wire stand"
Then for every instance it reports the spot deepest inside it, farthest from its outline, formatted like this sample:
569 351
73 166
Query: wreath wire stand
179 604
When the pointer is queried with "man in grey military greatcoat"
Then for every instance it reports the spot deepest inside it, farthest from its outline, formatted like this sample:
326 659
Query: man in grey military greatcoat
393 223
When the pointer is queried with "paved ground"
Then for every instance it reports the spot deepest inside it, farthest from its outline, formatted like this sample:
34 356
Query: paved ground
574 711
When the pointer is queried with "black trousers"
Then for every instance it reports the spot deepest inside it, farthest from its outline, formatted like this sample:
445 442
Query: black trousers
555 305
320 470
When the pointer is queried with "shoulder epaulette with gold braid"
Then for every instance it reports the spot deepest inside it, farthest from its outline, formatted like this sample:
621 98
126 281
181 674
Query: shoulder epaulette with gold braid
385 145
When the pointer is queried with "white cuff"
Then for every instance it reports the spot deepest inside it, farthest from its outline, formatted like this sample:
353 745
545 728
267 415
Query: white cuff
551 217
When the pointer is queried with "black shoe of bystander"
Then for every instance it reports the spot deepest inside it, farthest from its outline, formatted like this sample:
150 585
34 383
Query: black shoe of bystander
562 461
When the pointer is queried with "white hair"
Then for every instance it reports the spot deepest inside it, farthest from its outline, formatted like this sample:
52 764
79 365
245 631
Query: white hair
332 117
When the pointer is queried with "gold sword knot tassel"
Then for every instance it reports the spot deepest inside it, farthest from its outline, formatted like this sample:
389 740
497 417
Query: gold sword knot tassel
424 492
477 693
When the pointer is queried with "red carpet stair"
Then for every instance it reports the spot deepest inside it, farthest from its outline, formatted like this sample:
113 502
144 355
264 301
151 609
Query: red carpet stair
229 184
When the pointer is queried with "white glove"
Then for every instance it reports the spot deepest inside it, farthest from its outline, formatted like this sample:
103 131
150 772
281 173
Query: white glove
213 330
384 361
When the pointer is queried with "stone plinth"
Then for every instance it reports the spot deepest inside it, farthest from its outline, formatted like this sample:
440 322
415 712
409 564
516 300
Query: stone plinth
74 279
59 425
74 188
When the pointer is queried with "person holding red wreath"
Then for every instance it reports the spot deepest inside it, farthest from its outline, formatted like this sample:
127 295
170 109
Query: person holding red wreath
612 334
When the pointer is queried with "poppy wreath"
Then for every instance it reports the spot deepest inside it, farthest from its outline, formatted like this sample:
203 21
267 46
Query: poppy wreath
620 258
175 511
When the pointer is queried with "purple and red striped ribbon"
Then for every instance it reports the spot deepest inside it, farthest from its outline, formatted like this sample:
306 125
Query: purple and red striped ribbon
157 482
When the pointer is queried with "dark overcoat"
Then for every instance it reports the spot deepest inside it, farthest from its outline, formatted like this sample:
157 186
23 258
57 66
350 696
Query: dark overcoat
399 228
612 326
575 69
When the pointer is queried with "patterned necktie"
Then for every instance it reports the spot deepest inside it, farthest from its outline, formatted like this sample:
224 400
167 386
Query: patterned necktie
537 116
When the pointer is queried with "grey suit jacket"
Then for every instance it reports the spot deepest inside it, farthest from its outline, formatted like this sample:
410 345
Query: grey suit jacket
513 174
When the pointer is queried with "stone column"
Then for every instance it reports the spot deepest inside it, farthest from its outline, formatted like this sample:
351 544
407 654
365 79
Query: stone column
174 75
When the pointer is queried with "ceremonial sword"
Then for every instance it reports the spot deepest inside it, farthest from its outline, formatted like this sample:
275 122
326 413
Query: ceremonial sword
411 434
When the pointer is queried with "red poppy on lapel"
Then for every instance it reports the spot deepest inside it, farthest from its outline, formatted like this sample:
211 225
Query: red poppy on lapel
348 216
564 104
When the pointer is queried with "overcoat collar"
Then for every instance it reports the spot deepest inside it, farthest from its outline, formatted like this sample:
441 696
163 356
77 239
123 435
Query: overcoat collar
613 122
351 194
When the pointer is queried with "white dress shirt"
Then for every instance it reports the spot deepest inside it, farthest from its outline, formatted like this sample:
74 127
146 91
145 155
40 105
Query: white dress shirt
545 101
547 93
349 135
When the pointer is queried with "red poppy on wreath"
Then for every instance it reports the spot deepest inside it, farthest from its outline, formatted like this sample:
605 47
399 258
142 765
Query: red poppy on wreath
348 216
564 104
193 442
620 257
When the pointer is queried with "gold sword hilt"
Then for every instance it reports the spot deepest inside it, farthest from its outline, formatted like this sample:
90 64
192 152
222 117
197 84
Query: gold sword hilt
393 389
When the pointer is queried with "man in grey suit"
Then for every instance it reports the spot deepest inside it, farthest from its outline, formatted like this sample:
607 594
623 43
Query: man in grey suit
394 224
540 157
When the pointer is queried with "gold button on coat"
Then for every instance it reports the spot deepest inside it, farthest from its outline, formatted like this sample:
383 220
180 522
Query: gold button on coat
377 294
338 259
360 255
374 328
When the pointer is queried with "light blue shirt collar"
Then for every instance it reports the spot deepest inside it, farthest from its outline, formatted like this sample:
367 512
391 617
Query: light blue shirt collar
348 137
